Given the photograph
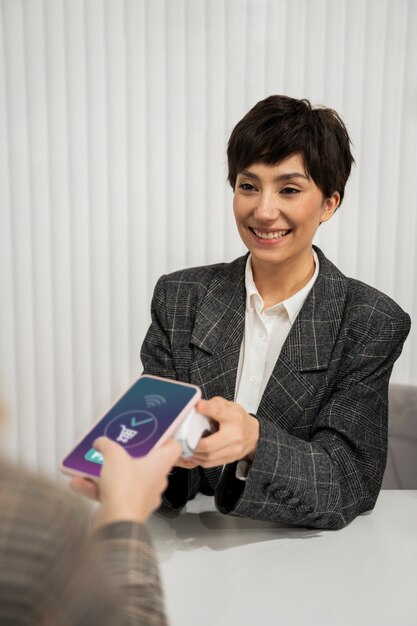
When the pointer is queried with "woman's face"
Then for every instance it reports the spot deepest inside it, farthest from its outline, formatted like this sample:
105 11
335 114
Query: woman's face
278 210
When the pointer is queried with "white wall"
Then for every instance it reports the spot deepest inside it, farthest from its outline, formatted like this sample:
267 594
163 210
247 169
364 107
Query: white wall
114 117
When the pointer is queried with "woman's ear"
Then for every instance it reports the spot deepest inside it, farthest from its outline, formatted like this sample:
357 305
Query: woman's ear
330 206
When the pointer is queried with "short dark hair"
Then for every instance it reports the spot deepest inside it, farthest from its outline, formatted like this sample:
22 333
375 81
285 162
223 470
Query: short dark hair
278 127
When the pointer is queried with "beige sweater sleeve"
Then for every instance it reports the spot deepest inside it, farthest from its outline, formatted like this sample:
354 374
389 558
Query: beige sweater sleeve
125 552
52 572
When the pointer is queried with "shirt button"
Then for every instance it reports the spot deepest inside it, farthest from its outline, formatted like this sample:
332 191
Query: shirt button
252 379
261 334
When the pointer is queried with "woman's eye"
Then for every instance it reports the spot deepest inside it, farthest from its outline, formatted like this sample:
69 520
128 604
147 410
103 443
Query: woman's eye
246 187
289 191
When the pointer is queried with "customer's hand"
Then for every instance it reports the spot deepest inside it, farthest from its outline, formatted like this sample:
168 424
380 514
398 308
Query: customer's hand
236 438
128 488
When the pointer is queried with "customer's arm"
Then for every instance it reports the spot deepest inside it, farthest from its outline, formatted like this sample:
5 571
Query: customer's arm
129 490
49 572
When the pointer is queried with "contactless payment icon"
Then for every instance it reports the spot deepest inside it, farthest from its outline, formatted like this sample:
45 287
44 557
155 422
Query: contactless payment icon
94 456
132 428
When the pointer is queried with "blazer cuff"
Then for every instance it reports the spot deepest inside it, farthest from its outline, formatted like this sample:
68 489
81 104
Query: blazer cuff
125 529
274 490
267 493
229 489
183 485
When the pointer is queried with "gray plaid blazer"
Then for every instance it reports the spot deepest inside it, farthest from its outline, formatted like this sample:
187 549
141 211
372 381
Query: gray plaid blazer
323 416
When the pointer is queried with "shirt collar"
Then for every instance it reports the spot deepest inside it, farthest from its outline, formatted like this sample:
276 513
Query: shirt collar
293 304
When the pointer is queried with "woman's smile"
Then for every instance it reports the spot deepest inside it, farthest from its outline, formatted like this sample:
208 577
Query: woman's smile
265 236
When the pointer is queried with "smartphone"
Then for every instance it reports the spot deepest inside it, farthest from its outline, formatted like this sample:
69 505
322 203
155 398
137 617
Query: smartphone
149 413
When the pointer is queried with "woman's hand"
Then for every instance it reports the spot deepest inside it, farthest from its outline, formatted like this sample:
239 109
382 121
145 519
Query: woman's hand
237 437
128 488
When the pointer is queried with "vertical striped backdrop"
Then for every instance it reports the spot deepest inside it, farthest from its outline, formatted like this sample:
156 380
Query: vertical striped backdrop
114 117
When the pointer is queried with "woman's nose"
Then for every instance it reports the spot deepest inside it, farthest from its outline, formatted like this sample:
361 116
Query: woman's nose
267 208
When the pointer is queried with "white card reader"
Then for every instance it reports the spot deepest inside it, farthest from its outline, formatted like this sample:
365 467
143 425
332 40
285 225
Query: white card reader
191 430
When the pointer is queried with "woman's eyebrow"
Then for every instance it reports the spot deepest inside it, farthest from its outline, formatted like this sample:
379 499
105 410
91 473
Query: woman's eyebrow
277 179
282 177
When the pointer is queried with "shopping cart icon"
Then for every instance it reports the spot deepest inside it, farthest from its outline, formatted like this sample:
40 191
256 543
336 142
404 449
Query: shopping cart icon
126 434
132 428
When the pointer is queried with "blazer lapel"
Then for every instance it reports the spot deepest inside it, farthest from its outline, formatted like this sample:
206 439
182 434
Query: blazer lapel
310 343
308 347
218 332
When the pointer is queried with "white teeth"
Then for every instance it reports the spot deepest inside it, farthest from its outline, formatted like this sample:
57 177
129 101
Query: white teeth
276 235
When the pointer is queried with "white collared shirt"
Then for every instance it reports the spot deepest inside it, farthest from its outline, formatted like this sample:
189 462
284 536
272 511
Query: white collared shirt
265 333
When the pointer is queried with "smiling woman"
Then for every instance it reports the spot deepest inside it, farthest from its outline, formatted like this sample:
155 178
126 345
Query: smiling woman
293 358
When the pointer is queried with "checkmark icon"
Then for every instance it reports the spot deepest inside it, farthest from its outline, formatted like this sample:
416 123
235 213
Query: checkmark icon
134 422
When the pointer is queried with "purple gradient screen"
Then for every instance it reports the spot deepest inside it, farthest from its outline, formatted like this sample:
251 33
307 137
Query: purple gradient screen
137 421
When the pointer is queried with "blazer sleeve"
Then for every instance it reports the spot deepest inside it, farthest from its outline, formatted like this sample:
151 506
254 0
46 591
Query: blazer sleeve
157 359
325 481
125 552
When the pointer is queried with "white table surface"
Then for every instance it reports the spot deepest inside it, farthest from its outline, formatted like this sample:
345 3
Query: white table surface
224 571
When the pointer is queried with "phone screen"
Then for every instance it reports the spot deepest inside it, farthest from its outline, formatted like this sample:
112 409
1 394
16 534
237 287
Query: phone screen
137 421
